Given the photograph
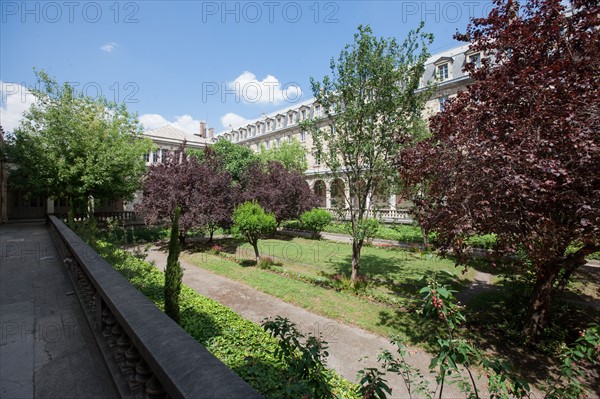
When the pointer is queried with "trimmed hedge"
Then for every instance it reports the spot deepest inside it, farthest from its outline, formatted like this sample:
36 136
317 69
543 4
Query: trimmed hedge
242 345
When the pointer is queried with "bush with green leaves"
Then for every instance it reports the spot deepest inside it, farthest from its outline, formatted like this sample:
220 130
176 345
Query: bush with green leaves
265 262
315 220
251 222
305 357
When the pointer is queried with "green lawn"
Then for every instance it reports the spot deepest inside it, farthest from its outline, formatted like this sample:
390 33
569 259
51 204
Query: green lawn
394 272
342 306
394 275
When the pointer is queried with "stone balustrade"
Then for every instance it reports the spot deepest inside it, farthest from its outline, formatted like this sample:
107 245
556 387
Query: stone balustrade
384 215
147 353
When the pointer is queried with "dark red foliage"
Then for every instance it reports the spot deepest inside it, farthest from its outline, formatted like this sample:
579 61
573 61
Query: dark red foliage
203 190
278 190
518 153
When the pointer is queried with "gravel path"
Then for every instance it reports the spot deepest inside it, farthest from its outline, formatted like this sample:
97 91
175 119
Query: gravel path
347 344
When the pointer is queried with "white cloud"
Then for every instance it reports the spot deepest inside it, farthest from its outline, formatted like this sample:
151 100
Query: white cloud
109 47
183 122
269 90
16 99
231 119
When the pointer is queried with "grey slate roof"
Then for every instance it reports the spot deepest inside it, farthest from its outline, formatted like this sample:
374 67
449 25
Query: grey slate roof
170 134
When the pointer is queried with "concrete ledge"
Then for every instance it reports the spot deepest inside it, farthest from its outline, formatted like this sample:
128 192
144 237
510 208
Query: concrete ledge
184 367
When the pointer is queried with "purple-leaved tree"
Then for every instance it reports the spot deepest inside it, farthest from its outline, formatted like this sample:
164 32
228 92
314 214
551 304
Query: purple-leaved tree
518 153
283 192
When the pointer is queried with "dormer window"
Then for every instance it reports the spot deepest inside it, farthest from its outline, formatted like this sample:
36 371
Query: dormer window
303 114
443 68
443 71
291 118
475 59
317 110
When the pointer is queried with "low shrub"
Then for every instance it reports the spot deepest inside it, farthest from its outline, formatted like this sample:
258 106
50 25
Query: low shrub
265 262
216 249
315 220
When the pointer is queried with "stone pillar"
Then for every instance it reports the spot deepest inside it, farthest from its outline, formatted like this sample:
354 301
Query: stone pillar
393 202
327 196
49 205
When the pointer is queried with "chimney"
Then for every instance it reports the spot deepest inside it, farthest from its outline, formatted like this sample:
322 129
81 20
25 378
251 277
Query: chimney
264 116
202 129
211 133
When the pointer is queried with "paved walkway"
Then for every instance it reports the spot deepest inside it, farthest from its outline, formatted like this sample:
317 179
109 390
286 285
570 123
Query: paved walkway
46 347
347 344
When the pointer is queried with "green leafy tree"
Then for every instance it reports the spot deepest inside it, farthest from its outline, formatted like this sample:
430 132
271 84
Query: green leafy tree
236 158
371 98
251 222
75 147
315 220
173 272
290 153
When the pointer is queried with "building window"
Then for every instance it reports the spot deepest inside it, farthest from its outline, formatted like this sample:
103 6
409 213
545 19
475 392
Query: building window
303 114
475 59
164 155
267 144
289 138
317 159
257 147
278 141
279 122
442 101
443 71
147 157
303 136
155 157
290 119
317 110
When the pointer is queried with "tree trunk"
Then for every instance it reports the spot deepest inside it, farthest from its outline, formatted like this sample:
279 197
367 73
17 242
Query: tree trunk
424 237
539 306
210 239
255 246
541 298
182 239
356 247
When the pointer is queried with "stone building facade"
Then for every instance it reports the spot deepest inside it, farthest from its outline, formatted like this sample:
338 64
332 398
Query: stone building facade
445 69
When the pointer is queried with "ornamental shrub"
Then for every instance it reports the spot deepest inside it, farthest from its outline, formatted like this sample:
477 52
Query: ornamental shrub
315 221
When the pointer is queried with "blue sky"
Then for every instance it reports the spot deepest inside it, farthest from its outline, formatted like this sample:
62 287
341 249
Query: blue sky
180 62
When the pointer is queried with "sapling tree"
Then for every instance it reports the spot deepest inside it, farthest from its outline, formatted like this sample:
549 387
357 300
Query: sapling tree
251 222
371 96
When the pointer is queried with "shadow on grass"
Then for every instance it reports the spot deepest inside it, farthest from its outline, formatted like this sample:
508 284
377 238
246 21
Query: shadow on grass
495 319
